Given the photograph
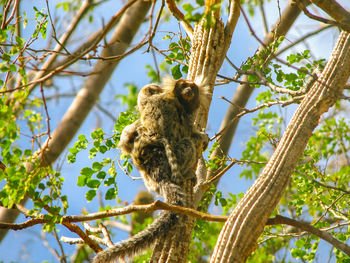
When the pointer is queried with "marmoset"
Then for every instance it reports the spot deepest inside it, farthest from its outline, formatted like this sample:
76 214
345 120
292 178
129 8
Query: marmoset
168 112
149 157
164 146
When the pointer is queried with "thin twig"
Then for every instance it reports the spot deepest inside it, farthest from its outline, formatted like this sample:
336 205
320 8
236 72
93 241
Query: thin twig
63 257
54 30
326 211
7 7
12 13
244 111
303 38
322 184
302 6
263 16
53 251
127 173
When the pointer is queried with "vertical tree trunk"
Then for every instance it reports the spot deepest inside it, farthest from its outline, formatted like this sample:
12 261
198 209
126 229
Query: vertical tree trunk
238 238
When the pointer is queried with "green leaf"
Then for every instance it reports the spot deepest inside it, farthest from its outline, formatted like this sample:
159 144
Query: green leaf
111 194
82 138
97 166
188 7
101 175
6 57
81 180
102 149
106 161
176 72
87 171
90 195
93 183
112 170
98 134
109 181
20 41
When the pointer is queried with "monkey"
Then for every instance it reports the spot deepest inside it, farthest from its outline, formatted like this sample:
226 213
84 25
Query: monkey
148 155
150 158
169 111
164 146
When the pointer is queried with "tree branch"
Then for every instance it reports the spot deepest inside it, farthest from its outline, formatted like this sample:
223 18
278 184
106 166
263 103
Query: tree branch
310 229
335 10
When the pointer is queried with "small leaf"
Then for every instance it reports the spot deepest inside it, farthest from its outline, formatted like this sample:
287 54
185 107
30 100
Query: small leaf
176 72
101 175
97 166
90 195
93 183
81 180
87 171
188 7
111 194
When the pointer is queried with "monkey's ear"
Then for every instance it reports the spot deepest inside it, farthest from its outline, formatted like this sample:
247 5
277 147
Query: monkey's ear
150 89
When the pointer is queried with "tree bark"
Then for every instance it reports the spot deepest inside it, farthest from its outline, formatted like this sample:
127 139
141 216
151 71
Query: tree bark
209 46
238 238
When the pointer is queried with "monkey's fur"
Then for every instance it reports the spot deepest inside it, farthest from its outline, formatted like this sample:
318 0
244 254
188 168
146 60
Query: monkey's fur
168 112
164 146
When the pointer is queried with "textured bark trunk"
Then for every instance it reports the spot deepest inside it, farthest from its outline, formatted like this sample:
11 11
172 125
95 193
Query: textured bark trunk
238 238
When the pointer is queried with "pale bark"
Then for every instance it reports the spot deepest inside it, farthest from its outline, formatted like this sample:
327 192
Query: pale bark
89 93
238 238
209 46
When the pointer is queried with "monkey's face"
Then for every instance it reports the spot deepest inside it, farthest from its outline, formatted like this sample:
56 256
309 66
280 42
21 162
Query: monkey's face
188 94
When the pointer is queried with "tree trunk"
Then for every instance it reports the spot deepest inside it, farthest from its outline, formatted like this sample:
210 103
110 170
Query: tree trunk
238 238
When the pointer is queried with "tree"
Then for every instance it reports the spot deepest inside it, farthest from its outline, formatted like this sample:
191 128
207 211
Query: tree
289 208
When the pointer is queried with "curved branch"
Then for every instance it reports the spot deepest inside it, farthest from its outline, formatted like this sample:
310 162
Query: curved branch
278 219
157 205
341 25
239 235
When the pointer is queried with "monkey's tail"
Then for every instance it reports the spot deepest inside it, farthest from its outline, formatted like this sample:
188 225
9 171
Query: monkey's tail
176 173
139 242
